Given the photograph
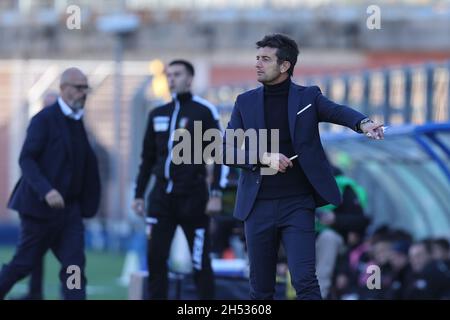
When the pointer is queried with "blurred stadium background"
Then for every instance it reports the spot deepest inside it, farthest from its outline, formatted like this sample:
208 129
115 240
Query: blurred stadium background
398 74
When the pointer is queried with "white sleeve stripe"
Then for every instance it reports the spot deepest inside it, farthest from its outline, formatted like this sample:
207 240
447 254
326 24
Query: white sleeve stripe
224 176
212 108
209 105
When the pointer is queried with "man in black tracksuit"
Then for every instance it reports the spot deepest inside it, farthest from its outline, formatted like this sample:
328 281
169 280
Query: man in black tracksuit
180 195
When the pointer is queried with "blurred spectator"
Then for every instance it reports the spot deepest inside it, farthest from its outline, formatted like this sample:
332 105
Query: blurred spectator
401 270
430 279
350 279
441 249
345 224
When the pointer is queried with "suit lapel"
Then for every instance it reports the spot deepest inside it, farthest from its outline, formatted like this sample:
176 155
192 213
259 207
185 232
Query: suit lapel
294 103
64 130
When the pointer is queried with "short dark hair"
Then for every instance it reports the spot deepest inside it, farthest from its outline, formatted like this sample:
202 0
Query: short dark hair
287 48
443 243
427 244
189 67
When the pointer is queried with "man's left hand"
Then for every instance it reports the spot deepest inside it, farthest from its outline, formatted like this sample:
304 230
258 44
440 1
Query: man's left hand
373 130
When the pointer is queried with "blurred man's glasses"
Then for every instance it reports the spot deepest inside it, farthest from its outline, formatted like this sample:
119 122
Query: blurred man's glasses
80 87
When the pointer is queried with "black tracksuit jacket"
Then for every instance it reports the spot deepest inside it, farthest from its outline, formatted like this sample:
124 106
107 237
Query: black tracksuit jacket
156 158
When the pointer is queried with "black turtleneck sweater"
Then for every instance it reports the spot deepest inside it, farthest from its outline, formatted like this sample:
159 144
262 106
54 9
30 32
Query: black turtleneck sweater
293 182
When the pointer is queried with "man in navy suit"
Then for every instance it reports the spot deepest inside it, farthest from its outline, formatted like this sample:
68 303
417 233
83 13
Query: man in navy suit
35 289
59 186
281 185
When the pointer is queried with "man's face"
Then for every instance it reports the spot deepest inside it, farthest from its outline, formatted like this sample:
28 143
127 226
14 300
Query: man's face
268 71
439 253
381 251
178 78
74 91
398 260
418 257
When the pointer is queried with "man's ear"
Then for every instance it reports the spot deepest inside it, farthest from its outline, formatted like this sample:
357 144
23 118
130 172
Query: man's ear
191 79
285 66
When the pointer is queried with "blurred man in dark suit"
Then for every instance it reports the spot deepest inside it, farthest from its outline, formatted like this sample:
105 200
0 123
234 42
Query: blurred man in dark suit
59 186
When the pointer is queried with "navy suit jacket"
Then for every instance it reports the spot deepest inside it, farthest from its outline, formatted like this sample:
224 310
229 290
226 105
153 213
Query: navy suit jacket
46 163
248 113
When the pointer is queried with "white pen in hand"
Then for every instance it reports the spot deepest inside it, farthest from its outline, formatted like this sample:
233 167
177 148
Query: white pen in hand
293 157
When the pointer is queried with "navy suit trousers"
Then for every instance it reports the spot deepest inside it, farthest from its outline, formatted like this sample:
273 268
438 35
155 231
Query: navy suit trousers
291 222
64 235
